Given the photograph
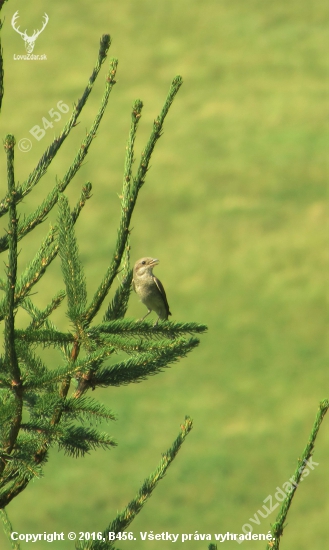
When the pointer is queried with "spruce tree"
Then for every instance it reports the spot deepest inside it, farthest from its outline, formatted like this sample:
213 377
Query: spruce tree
43 407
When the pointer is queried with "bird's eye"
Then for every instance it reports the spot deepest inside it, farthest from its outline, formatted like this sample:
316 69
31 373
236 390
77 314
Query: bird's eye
143 262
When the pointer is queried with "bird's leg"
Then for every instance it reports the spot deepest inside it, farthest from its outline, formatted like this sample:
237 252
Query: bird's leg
148 313
156 322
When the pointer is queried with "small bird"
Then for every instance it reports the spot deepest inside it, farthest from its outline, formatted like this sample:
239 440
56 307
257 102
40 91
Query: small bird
150 289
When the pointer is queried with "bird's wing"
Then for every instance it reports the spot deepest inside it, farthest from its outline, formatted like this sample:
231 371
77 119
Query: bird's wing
133 285
162 292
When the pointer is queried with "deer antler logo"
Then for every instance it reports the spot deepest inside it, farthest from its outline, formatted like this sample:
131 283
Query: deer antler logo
29 40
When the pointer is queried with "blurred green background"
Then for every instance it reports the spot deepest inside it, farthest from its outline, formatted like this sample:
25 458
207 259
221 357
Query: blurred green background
235 209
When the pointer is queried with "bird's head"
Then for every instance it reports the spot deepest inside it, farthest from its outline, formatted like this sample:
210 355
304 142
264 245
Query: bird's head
145 266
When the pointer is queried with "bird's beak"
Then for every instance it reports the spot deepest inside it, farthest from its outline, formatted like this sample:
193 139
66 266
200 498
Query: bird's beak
154 262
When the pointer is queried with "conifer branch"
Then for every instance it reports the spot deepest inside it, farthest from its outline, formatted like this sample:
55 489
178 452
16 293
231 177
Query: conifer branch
39 215
94 359
21 464
6 479
15 489
126 212
118 307
24 378
142 365
77 441
39 317
278 526
85 195
115 334
49 249
37 267
86 408
49 378
72 270
8 529
44 256
42 406
65 386
84 147
74 440
31 365
145 328
1 60
51 151
46 337
41 212
5 381
134 345
81 368
130 192
143 167
124 518
10 350
1 71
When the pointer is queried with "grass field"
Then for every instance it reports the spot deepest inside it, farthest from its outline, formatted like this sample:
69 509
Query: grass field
235 209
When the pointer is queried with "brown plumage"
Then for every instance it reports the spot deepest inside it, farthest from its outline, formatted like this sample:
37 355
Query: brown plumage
150 289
